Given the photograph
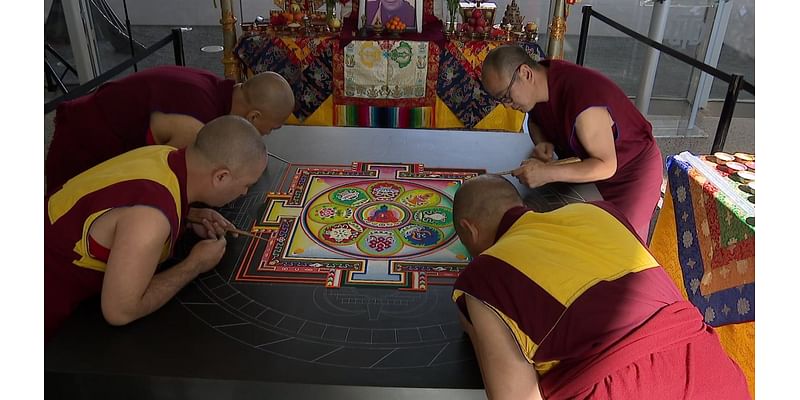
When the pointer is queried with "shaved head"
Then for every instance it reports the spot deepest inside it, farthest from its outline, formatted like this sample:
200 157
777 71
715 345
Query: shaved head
503 60
270 93
230 141
478 207
484 200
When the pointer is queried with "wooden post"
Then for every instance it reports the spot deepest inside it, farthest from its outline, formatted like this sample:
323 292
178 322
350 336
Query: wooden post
228 22
558 28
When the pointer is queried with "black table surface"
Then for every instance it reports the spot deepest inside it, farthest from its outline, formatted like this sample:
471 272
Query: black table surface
224 339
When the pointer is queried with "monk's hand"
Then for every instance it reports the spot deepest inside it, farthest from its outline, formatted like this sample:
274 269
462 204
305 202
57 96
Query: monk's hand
208 223
543 151
531 173
206 253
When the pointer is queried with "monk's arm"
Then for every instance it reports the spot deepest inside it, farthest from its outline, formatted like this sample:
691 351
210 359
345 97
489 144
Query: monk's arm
535 132
542 150
176 130
506 373
130 288
594 128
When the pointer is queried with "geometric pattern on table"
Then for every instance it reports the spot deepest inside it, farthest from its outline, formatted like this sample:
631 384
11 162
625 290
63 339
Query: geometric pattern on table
372 224
716 247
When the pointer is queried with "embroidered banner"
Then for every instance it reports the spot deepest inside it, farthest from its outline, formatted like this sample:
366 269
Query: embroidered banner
385 69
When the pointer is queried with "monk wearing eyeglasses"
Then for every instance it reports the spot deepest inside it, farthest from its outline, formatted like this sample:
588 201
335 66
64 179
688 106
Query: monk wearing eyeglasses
575 111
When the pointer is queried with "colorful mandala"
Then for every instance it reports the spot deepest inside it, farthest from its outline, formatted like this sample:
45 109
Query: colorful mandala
380 219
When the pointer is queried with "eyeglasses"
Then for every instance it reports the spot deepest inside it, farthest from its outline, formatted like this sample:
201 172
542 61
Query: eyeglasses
506 97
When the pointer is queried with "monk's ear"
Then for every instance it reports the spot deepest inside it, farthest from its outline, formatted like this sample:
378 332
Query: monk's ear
221 176
468 229
527 72
253 115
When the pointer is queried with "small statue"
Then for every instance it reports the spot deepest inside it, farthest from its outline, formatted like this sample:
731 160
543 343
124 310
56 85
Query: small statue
362 32
512 16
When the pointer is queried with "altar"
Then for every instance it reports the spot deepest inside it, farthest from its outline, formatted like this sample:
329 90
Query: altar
418 78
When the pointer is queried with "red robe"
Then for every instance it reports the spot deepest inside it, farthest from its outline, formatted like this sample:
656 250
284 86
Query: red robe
115 118
635 188
673 355
73 267
593 312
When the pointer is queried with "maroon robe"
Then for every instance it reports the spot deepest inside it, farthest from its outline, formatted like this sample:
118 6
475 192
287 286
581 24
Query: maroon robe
65 284
672 355
635 188
630 337
115 118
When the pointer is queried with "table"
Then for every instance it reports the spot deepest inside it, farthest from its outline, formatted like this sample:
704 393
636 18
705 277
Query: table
449 96
705 239
202 344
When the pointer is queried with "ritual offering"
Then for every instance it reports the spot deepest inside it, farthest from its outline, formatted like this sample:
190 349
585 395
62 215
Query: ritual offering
335 24
395 26
733 166
721 157
478 18
744 157
745 176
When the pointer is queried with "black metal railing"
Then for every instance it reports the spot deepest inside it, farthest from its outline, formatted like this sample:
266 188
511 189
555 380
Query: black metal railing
736 82
175 37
